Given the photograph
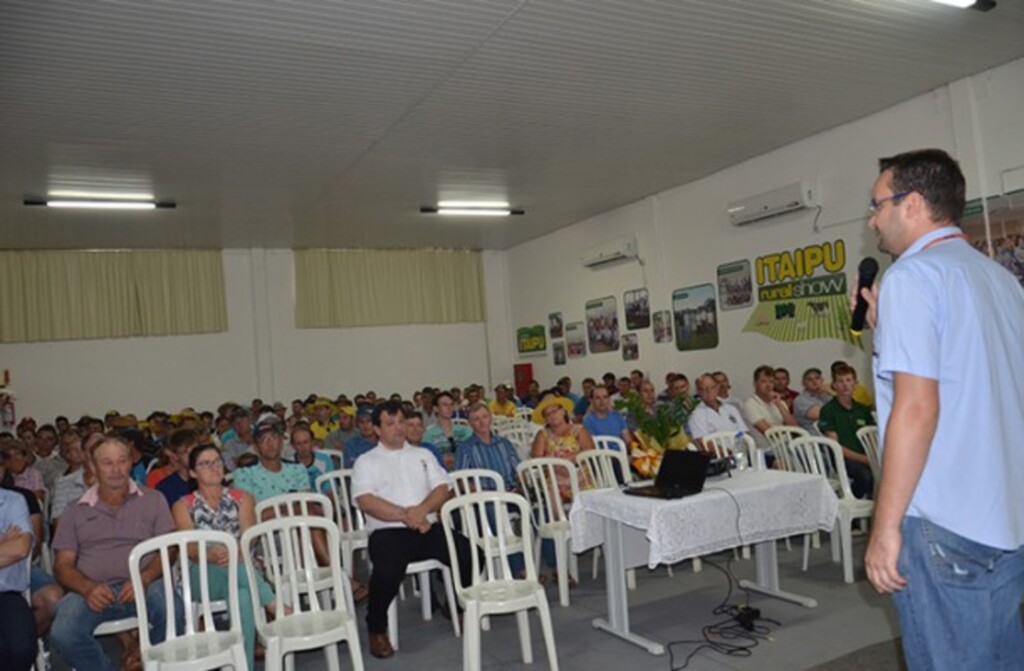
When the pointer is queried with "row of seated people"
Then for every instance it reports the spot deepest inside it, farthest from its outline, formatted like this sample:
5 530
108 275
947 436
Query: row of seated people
95 533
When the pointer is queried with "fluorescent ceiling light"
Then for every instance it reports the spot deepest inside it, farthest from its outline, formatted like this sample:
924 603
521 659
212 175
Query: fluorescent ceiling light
475 211
980 5
103 204
485 204
99 195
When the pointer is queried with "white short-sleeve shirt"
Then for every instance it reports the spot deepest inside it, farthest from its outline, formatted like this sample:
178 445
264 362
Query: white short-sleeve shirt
704 421
403 477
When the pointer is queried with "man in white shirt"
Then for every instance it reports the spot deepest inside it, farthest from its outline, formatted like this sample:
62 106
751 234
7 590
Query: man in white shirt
400 489
712 415
766 408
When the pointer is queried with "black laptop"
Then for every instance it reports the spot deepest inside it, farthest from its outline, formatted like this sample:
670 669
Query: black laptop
682 473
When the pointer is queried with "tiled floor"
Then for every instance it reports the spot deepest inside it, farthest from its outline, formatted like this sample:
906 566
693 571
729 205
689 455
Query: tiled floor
666 609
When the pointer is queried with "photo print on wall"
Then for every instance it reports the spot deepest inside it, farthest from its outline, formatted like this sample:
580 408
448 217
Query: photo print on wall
638 309
575 340
602 325
696 319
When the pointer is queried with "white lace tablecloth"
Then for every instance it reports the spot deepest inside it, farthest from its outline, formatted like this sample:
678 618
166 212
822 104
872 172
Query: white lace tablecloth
764 505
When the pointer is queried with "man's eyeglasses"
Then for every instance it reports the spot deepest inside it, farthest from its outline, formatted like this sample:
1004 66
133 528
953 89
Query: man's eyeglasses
206 465
876 205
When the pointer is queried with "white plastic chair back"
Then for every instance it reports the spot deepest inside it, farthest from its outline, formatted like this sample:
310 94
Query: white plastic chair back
494 588
297 503
521 438
349 518
500 423
337 458
824 456
780 436
200 644
282 551
539 484
598 468
729 443
524 413
472 480
868 437
610 443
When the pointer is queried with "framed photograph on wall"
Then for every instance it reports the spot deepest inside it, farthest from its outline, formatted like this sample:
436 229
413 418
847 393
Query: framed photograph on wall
530 340
638 309
575 340
555 325
602 325
735 285
558 351
695 317
630 347
662 326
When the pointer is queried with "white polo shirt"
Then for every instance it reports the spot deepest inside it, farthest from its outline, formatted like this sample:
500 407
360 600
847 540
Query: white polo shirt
403 477
705 420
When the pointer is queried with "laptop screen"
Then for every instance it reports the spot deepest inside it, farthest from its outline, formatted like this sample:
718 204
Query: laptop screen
682 469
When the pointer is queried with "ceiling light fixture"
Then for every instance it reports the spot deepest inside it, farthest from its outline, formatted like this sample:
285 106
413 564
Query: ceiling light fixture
980 5
471 209
100 204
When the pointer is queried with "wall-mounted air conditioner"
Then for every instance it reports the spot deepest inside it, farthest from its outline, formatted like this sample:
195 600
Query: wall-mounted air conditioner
784 200
609 252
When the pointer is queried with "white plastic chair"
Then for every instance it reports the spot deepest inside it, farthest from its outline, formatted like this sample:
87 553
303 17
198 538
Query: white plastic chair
521 438
598 471
611 443
475 480
200 645
726 444
868 437
822 456
459 421
287 563
780 436
349 518
524 413
302 504
337 458
494 589
421 570
550 518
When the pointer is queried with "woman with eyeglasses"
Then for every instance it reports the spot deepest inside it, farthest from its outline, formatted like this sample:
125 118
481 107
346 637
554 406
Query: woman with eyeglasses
216 507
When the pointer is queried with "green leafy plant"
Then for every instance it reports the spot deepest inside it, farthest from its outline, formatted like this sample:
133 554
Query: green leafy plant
665 424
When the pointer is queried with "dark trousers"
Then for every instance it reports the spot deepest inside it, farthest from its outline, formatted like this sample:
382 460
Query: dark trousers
392 550
862 481
17 632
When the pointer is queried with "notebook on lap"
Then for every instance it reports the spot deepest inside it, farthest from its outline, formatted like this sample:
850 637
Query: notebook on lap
682 473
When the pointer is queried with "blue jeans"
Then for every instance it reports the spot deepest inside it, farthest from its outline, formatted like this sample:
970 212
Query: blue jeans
961 608
71 635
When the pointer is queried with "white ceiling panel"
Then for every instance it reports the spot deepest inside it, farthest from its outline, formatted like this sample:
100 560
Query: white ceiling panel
328 124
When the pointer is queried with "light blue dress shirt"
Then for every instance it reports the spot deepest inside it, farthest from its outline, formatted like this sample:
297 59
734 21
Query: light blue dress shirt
14 512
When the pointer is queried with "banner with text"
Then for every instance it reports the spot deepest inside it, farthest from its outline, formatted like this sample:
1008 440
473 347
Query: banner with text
802 294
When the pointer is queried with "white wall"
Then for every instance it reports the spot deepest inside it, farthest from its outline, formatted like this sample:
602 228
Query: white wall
683 234
262 354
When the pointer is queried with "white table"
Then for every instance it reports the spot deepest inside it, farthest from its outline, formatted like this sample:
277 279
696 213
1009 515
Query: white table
763 506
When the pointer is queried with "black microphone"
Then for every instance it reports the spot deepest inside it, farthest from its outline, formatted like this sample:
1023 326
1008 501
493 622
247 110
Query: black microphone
866 273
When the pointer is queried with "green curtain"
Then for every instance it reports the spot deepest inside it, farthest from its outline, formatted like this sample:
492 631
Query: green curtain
370 287
72 295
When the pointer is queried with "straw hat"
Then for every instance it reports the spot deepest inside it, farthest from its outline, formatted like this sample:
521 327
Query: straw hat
538 412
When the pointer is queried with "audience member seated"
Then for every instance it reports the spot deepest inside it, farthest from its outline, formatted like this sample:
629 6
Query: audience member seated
242 442
807 406
579 410
766 408
18 457
446 434
17 628
781 387
603 420
532 397
140 446
367 438
92 544
400 488
725 389
486 449
316 464
564 386
346 431
179 445
563 439
501 405
650 400
712 415
47 457
324 424
680 400
73 484
414 431
271 476
213 506
840 419
861 394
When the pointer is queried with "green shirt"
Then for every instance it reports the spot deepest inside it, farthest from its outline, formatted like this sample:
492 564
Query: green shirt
845 422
